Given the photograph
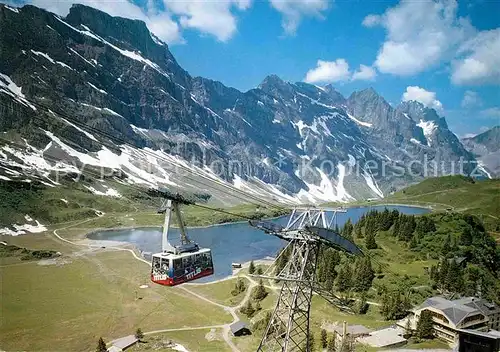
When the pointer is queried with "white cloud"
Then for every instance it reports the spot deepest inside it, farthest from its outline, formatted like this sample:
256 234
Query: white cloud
419 35
328 71
365 73
371 21
471 99
338 71
423 96
480 61
294 10
213 17
491 112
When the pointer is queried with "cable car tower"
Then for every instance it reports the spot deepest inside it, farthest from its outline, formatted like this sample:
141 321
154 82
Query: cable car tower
307 229
180 263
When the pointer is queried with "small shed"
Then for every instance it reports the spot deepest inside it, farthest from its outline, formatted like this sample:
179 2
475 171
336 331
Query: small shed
353 330
123 343
240 329
385 338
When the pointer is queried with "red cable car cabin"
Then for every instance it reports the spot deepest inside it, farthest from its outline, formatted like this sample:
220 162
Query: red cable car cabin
181 263
173 269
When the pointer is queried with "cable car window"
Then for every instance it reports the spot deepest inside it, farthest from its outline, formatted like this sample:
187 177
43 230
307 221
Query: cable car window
178 267
156 266
165 266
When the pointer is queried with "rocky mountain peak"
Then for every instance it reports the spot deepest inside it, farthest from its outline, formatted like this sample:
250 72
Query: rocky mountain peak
486 147
419 113
490 138
334 94
368 106
124 32
275 86
111 73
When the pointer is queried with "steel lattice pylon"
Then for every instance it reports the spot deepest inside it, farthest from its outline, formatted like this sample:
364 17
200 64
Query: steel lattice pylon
288 328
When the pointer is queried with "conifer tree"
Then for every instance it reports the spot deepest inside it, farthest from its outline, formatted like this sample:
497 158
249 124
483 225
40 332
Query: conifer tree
358 233
443 272
424 325
466 236
396 228
362 304
447 245
259 292
251 268
331 344
370 242
101 345
363 274
347 229
413 242
324 338
344 278
139 334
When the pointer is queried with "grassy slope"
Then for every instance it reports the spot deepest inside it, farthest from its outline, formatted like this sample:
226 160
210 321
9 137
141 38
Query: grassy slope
457 193
92 295
194 340
480 197
45 205
220 292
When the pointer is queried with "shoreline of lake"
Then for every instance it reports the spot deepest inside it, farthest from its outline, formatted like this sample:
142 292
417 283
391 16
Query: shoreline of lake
231 241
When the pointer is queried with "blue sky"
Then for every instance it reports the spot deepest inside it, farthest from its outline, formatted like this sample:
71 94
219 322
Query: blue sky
442 53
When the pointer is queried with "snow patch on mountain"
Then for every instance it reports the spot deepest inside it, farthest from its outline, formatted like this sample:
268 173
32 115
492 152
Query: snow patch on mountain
86 159
8 87
326 190
428 128
51 60
359 122
372 184
81 57
481 166
33 159
130 54
23 229
157 40
97 89
13 9
89 135
139 130
109 192
107 110
413 140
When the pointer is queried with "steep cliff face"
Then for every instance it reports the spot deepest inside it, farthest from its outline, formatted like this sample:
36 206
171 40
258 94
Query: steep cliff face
486 148
101 90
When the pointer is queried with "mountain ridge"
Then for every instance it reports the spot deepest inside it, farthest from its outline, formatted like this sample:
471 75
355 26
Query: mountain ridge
486 147
292 142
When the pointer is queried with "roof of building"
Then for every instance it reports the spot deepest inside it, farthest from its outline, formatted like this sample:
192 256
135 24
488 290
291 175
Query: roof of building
492 334
458 260
124 342
487 308
239 325
114 349
385 337
453 310
353 329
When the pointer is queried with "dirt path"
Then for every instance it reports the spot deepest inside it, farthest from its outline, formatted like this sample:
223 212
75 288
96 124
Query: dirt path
231 310
226 331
